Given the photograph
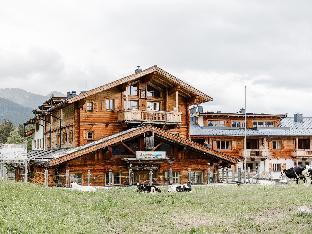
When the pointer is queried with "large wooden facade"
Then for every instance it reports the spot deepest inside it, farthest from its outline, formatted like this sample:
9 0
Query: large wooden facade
151 97
274 142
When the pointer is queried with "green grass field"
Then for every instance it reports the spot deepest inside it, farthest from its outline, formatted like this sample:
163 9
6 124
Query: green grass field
233 209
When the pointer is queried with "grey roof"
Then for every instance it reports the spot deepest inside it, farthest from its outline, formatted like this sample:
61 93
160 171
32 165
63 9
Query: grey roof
288 128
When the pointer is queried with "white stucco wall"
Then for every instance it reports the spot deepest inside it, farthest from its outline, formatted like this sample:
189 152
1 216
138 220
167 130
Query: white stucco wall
38 142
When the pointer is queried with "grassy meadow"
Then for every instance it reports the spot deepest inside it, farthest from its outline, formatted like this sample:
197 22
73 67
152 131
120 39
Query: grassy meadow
27 208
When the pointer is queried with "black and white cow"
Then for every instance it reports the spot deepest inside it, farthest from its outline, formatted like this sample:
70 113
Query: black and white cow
296 173
148 188
180 187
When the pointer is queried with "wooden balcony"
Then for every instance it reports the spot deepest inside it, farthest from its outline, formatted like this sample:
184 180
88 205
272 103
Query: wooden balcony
137 116
257 153
303 153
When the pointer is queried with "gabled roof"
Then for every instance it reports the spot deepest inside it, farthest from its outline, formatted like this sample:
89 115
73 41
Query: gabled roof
63 155
288 127
202 97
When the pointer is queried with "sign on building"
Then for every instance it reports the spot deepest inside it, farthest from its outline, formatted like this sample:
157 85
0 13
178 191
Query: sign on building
148 155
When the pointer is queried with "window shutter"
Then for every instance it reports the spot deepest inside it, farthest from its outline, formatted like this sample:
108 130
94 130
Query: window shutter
85 135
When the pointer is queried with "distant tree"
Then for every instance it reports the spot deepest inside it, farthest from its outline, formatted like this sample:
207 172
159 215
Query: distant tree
5 128
15 138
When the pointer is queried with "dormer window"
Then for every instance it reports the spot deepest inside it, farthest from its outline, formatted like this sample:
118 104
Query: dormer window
132 90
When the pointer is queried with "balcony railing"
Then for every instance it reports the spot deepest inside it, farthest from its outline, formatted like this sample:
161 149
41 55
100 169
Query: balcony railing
261 153
303 153
171 117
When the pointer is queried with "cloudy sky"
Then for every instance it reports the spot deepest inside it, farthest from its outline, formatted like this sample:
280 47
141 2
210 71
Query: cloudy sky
217 46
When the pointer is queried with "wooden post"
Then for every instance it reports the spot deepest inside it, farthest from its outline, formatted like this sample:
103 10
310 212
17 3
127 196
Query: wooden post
67 179
151 177
88 177
177 101
227 175
208 175
46 177
189 173
110 177
239 175
248 174
26 171
170 175
130 175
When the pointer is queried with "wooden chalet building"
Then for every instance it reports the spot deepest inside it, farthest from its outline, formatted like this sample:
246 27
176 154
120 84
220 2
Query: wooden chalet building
274 142
132 130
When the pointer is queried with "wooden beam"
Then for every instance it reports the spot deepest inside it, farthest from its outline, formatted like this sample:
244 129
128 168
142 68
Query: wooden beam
127 147
157 146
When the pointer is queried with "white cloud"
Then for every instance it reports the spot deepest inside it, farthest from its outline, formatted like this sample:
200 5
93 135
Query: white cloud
225 44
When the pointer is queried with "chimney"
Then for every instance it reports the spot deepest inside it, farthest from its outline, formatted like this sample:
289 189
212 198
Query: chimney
138 70
242 111
71 94
298 118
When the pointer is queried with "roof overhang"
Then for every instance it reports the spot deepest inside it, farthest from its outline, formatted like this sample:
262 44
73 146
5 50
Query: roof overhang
73 153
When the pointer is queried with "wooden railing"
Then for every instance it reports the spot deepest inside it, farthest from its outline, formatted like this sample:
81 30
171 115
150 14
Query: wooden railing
150 116
303 153
261 153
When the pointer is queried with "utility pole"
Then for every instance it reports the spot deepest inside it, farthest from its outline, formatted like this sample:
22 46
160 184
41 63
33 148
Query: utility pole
245 139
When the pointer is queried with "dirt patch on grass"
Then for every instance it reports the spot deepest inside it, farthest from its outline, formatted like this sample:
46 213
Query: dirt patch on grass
270 215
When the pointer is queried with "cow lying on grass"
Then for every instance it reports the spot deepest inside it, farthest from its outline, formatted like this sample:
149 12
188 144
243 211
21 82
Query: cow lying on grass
298 173
180 187
147 188
81 188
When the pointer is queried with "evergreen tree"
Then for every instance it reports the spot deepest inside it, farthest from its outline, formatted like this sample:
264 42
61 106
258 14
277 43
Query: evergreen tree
5 128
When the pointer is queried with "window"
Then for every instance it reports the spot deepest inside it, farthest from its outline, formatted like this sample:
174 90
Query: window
303 143
223 145
215 123
262 124
110 104
89 106
175 177
152 92
90 135
132 90
77 177
112 178
133 105
277 144
277 167
252 144
153 106
196 177
238 124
